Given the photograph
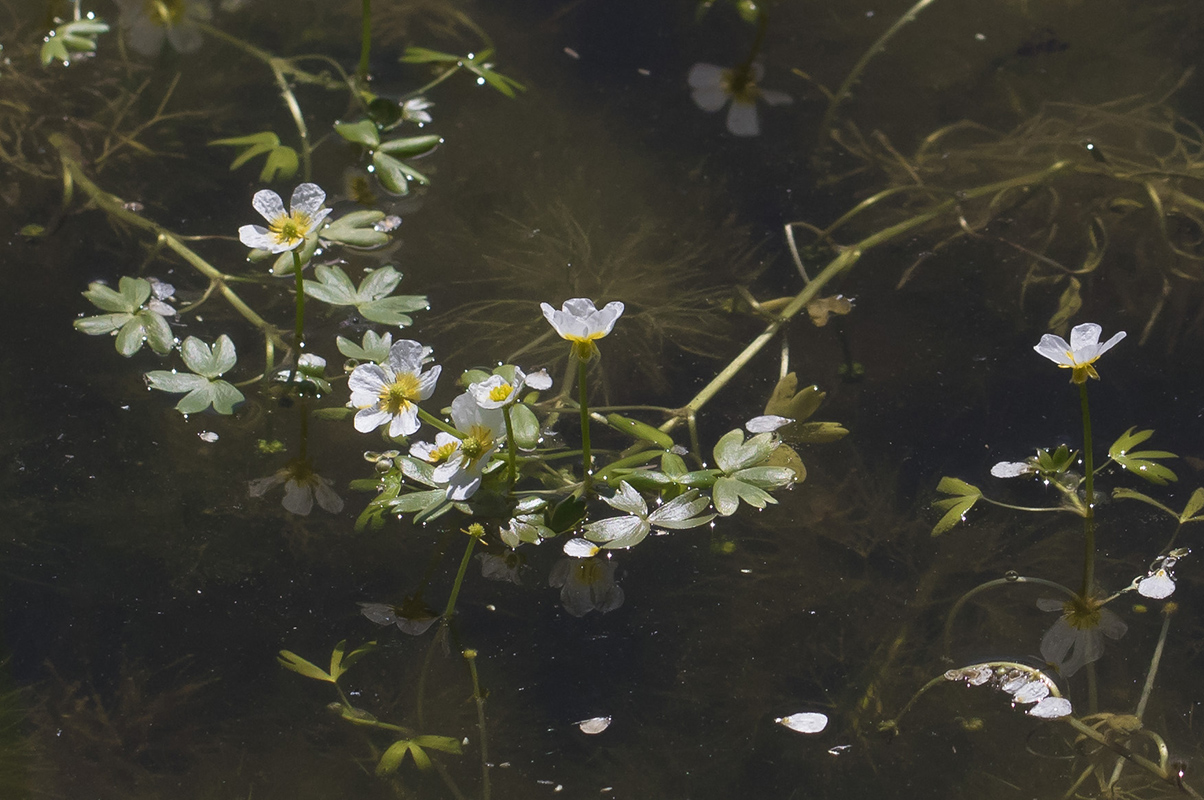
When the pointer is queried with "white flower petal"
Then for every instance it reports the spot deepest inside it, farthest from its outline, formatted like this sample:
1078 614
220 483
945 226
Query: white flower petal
326 496
775 98
1051 708
804 722
404 422
406 356
1108 345
540 381
268 204
1011 469
1084 336
1158 586
307 198
766 423
711 99
255 237
580 548
1055 349
369 419
594 725
1030 692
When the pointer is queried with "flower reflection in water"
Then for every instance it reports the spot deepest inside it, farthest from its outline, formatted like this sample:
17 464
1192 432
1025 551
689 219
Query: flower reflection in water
586 584
301 487
413 616
1077 638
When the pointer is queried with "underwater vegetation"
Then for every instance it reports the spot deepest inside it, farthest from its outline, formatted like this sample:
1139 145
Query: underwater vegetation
510 433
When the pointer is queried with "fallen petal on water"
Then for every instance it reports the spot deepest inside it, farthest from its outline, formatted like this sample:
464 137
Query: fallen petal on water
804 722
594 725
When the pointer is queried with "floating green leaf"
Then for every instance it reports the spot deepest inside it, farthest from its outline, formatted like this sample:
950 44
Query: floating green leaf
1140 462
281 161
202 387
357 229
375 347
370 298
133 323
76 36
290 660
964 497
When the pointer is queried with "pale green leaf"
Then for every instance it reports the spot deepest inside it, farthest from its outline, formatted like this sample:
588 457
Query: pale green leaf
290 660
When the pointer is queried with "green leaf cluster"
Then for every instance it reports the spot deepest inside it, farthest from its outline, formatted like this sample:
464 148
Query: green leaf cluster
202 387
76 36
788 401
374 347
964 496
1142 462
745 477
340 662
371 298
133 322
388 155
281 161
1190 512
392 758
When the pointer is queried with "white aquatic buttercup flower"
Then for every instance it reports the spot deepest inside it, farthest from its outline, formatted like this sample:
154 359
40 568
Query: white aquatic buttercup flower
496 392
711 87
1081 353
415 110
581 323
286 229
1159 585
149 22
459 463
301 487
586 584
389 393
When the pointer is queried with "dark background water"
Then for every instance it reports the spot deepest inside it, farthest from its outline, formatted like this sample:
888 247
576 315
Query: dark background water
145 594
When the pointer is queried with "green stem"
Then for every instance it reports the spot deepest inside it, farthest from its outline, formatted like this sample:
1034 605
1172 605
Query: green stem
432 420
1089 485
847 258
115 207
365 42
299 325
583 395
455 593
842 94
471 657
982 587
511 447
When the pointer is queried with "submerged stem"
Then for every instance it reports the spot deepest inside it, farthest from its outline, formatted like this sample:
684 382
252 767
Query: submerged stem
365 42
471 657
511 447
1089 485
583 395
474 532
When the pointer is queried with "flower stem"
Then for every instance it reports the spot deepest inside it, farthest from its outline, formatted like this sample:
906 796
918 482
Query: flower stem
1089 485
365 42
512 447
470 656
583 396
474 533
435 422
299 326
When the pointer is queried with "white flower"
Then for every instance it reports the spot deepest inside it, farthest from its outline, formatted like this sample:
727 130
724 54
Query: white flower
1012 469
414 110
1077 638
413 616
804 722
767 423
1082 352
712 87
389 392
301 487
149 23
1158 585
586 584
630 530
496 392
286 229
581 323
460 462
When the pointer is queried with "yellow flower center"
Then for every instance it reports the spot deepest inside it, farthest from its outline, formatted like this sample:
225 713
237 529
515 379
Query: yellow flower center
443 453
400 394
584 349
477 442
164 12
499 393
290 228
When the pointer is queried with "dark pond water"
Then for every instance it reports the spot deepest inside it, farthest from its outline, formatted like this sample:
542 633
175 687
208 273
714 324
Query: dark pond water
1022 167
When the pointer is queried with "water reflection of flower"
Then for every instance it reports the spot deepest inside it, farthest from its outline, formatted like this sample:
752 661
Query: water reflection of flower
586 584
413 616
301 487
149 22
1077 638
507 567
711 87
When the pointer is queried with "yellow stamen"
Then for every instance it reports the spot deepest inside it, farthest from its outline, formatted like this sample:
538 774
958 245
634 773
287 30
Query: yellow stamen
499 393
290 228
400 394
